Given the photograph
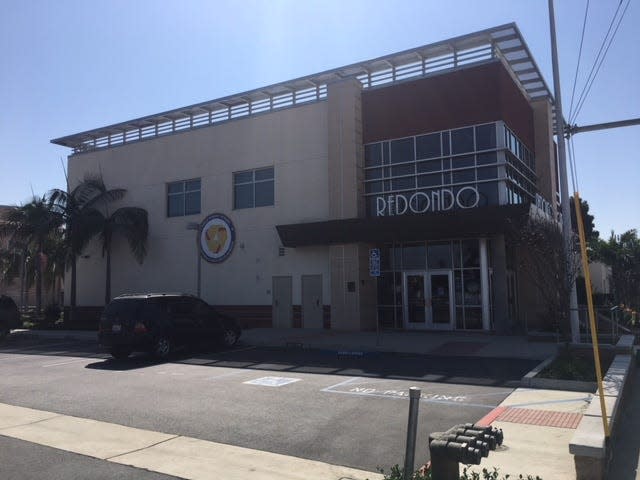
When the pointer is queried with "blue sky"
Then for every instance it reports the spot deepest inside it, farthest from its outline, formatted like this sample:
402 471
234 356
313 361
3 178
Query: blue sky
68 66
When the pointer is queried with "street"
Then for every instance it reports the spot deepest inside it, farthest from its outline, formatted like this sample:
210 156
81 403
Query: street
342 409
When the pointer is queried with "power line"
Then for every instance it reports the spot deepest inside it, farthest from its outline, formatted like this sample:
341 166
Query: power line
600 59
575 78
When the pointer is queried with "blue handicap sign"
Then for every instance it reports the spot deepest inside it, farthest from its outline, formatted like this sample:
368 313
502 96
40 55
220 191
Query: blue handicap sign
374 262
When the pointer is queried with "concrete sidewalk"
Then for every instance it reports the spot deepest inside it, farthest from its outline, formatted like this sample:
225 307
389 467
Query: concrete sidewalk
538 425
175 455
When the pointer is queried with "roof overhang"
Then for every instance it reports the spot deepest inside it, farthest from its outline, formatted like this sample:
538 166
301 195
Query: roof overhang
503 42
471 223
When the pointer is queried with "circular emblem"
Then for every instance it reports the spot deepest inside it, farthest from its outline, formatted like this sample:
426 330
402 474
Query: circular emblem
217 237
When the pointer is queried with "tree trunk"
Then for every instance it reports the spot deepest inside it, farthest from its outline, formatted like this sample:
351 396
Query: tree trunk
107 294
72 294
39 279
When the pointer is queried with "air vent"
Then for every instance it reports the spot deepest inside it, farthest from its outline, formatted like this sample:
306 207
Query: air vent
281 251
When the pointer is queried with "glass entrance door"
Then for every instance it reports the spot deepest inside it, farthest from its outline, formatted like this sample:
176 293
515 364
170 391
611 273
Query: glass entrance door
441 311
415 312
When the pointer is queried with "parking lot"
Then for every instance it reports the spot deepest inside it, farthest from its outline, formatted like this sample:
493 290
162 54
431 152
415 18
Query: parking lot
344 409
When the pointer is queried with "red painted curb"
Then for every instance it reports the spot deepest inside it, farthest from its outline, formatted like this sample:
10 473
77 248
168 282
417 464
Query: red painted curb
489 418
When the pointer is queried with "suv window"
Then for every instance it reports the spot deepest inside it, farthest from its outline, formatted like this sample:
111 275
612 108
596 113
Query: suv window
124 309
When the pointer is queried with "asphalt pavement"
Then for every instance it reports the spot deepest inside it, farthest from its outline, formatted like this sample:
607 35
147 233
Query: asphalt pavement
20 460
342 409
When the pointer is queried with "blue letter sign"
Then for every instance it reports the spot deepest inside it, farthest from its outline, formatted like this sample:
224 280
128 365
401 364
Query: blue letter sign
374 262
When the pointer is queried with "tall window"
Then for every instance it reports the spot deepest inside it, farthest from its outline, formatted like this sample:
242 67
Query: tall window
253 188
183 198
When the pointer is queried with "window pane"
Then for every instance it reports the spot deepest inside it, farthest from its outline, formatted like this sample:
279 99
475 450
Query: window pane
243 196
445 143
487 158
430 180
386 289
373 155
462 162
428 146
430 166
264 174
462 140
192 203
402 183
487 173
472 295
192 185
414 257
486 137
488 194
473 318
175 187
402 150
457 283
470 253
243 177
403 170
439 255
264 194
464 176
175 205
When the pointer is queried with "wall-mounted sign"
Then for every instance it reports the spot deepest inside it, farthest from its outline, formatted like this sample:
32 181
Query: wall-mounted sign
374 262
442 199
217 238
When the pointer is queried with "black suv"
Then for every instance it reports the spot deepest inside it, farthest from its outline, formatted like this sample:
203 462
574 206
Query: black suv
159 322
9 315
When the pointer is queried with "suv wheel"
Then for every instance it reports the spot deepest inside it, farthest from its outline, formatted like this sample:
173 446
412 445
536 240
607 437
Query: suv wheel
162 347
230 338
120 353
4 331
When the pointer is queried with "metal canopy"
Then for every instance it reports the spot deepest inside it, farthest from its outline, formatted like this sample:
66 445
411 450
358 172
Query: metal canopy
504 43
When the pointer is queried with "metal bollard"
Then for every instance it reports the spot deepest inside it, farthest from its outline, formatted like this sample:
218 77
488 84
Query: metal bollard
412 427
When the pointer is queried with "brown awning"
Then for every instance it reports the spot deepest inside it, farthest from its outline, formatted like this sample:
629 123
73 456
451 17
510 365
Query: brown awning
405 228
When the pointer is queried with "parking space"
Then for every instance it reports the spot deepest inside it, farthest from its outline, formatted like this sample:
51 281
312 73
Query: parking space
339 409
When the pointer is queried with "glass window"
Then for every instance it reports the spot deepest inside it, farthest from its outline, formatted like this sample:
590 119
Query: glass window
386 288
398 170
403 183
430 166
254 188
373 187
414 257
402 150
473 318
487 173
183 198
445 143
464 176
470 253
428 146
487 158
373 155
488 194
472 294
486 136
462 140
463 162
439 255
434 180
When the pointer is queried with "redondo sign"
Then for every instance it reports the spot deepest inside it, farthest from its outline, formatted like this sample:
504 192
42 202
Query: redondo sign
217 238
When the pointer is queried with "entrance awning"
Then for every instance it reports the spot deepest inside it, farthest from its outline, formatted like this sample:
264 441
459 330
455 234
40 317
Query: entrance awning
469 223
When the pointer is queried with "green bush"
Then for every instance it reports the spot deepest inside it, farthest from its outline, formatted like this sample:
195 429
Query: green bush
397 473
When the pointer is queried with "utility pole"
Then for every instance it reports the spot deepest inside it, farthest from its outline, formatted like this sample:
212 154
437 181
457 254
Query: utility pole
564 184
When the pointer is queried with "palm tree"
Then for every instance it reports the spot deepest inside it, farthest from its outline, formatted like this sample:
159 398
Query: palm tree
79 211
133 224
86 214
27 228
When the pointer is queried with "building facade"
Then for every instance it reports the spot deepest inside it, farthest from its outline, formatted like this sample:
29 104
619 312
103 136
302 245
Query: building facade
380 191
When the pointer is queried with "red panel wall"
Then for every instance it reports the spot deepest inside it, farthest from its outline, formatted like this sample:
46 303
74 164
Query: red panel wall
482 93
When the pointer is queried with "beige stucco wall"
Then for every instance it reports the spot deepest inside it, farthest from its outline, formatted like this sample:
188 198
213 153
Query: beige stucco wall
293 140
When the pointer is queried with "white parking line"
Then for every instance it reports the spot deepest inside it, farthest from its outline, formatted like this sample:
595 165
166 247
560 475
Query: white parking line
345 382
67 362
